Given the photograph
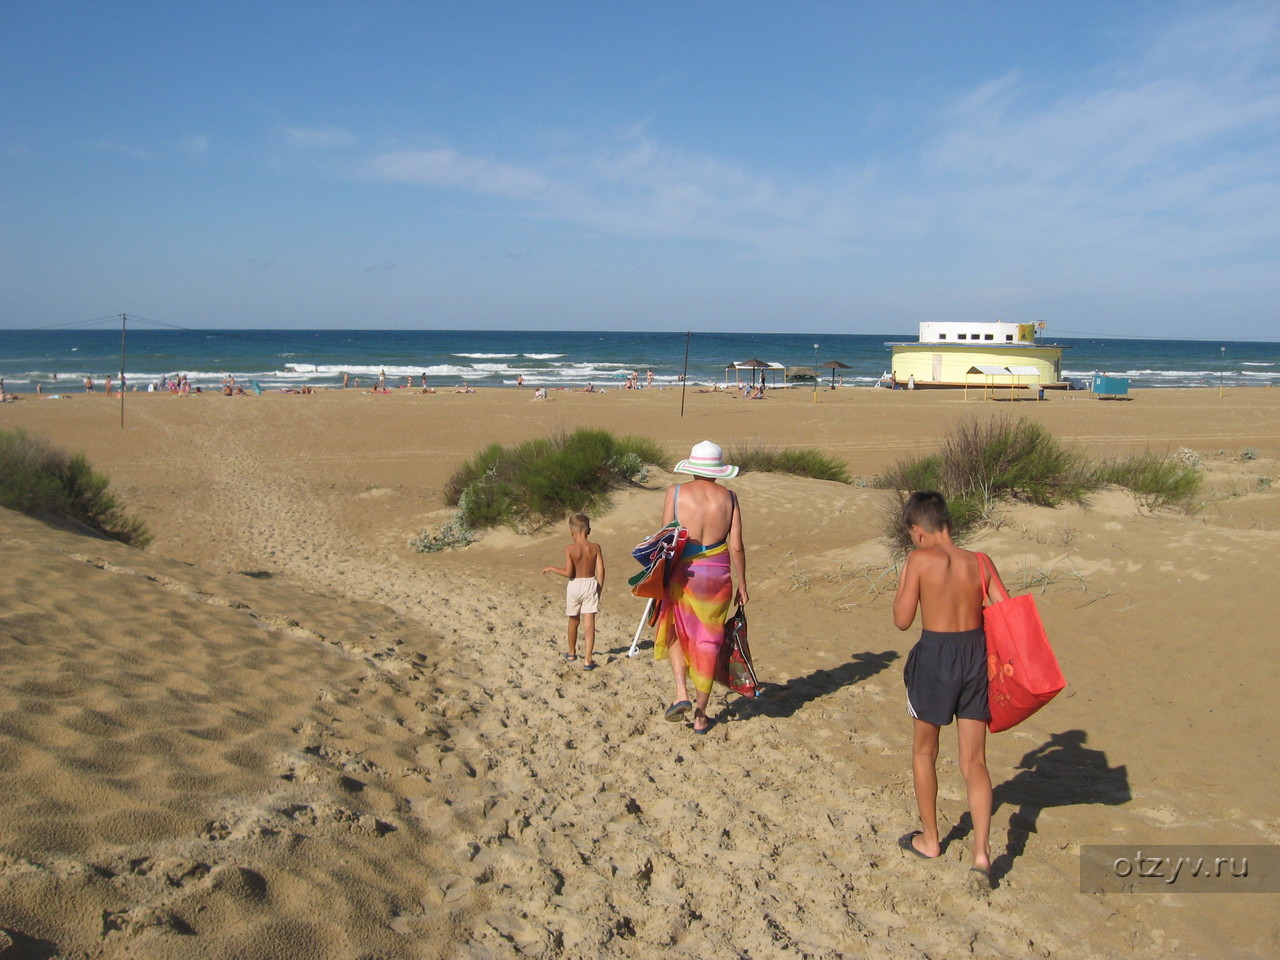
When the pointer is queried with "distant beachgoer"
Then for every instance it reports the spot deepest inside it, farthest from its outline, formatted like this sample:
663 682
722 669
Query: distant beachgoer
589 388
88 384
382 380
465 387
648 378
519 379
39 387
702 584
540 393
584 566
424 380
911 381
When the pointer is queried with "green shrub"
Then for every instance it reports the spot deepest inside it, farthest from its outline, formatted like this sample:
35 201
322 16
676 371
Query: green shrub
543 480
36 478
981 462
800 462
1157 481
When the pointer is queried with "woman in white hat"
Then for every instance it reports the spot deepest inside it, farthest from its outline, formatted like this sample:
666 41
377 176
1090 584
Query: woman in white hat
700 588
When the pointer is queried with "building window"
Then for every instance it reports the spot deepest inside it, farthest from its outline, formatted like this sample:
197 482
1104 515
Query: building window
1008 337
986 336
942 336
963 336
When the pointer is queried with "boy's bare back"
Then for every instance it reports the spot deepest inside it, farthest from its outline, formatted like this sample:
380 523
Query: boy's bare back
950 589
581 558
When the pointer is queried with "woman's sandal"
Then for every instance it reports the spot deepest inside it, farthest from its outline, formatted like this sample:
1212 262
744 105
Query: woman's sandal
677 710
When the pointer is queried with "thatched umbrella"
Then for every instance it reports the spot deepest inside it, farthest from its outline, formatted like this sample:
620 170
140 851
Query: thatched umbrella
754 365
835 365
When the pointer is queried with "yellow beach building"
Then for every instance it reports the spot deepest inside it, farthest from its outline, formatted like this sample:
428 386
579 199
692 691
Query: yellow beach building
984 354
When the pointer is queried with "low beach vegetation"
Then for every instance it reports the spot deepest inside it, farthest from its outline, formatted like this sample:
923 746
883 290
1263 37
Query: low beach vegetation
1156 481
796 461
39 479
980 463
539 482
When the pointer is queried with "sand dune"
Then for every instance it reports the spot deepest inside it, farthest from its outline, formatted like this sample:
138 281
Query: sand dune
278 732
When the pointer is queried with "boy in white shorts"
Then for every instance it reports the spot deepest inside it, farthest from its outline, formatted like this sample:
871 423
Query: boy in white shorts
584 566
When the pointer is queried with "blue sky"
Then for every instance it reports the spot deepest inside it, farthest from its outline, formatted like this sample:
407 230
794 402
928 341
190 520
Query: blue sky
1111 168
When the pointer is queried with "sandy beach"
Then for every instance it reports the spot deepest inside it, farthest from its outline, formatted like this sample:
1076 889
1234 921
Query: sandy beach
279 732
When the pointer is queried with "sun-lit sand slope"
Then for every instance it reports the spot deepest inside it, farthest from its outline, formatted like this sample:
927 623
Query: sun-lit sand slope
278 732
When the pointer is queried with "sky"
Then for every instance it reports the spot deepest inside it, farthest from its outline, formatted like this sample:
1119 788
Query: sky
1110 168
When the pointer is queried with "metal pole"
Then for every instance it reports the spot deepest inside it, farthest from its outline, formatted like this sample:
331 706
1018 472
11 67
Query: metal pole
644 619
1222 371
815 373
122 384
684 380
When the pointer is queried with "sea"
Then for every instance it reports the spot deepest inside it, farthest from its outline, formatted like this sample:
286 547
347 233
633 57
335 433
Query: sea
60 359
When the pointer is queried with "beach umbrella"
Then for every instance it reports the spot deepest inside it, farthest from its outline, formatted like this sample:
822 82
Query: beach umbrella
835 365
754 365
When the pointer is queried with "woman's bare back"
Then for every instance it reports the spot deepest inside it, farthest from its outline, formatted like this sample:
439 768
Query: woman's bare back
704 508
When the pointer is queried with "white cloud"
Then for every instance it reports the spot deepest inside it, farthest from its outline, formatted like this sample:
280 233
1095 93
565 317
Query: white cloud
1173 149
318 138
448 168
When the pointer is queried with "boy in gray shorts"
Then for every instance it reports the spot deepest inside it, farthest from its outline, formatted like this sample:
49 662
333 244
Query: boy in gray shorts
946 673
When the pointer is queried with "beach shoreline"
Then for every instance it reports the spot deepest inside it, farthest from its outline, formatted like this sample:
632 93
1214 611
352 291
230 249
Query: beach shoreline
278 731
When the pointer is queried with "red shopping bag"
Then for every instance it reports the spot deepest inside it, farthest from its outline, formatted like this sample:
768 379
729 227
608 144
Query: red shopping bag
734 668
1022 672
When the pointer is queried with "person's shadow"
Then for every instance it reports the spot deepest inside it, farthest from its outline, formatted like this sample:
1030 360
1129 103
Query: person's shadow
1060 772
784 699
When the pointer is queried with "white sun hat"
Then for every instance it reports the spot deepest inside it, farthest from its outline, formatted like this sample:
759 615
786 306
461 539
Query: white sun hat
706 459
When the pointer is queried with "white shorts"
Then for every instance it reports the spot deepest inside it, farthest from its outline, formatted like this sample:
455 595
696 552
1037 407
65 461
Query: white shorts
582 595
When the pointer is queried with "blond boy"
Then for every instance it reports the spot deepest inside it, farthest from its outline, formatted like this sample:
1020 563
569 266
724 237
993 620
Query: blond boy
584 566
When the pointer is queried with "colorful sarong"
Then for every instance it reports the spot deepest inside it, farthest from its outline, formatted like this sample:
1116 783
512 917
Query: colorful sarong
699 591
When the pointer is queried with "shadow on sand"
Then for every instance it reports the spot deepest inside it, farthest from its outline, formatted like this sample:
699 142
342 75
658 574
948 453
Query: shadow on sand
783 700
1060 772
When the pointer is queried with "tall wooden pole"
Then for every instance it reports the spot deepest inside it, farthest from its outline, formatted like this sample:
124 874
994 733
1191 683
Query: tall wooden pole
684 380
122 383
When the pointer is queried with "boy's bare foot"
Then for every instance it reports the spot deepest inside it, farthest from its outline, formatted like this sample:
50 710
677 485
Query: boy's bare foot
979 880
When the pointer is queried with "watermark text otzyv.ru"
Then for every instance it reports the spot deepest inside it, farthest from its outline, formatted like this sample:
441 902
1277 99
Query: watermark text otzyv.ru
1200 868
